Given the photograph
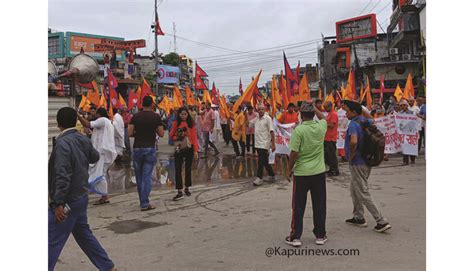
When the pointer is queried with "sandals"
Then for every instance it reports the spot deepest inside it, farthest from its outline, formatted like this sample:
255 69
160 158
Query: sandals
148 208
102 202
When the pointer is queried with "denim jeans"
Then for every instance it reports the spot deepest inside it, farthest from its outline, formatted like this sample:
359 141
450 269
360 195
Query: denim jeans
144 160
75 223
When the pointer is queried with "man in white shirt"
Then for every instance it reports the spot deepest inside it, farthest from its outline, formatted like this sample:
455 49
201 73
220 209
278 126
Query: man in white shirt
217 131
119 133
412 106
264 141
103 141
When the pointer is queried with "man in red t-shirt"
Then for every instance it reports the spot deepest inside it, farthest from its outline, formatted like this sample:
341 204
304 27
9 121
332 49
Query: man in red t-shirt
289 116
330 155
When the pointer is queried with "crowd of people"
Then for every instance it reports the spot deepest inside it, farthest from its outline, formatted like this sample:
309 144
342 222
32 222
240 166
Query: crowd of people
79 165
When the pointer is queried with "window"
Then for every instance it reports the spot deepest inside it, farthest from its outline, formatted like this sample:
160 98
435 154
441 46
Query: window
53 46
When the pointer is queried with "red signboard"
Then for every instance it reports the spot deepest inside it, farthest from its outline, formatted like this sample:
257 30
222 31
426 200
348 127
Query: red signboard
356 28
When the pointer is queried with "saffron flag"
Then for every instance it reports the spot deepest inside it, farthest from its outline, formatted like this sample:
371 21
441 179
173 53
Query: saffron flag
189 96
122 101
409 91
398 93
206 98
177 98
102 102
350 87
320 94
382 88
304 89
275 92
248 93
166 104
132 99
368 96
83 101
283 91
330 98
93 95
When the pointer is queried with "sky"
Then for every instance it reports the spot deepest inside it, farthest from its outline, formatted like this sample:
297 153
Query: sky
229 39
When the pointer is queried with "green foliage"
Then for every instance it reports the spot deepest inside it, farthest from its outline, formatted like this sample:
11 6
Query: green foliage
171 59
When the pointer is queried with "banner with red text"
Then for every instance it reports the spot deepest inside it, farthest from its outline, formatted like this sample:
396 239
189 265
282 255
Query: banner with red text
282 136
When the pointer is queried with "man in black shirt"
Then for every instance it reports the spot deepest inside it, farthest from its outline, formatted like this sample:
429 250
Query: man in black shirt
144 126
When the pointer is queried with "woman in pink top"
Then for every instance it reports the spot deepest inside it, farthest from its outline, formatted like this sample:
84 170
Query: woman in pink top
184 129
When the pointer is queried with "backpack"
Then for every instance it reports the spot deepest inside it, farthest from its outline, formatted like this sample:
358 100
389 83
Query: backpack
373 145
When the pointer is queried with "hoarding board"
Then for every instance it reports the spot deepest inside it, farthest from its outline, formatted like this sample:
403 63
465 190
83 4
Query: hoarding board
76 41
356 28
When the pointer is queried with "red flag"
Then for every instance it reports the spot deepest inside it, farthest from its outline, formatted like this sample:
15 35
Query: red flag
88 85
158 30
382 88
132 99
200 72
291 80
241 91
214 94
199 84
146 91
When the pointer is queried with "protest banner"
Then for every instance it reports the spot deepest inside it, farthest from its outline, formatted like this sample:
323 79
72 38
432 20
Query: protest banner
343 123
407 129
386 125
282 136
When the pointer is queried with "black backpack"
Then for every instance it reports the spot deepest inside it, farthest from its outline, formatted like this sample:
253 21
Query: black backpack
373 145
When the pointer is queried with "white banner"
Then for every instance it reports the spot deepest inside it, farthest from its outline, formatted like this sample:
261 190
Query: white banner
387 126
343 123
407 128
282 136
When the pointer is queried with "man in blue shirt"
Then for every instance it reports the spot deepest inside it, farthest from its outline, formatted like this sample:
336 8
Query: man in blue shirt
360 172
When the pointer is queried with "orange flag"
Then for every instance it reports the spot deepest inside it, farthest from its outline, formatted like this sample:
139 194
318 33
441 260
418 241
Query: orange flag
102 102
177 97
93 94
284 95
83 101
330 98
189 96
304 89
409 91
368 96
248 93
275 91
206 97
122 101
398 93
199 102
320 94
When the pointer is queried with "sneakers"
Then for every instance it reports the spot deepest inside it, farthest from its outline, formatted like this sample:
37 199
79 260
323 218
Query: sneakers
186 191
321 240
258 182
271 179
178 196
357 222
293 243
382 227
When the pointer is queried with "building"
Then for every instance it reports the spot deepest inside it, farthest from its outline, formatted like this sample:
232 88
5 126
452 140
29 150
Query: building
409 18
359 47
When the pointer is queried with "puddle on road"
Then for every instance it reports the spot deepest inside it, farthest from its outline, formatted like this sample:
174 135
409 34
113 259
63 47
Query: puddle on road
220 169
133 225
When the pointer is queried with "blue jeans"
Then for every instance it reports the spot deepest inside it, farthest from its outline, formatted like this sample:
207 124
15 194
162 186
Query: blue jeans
75 223
144 160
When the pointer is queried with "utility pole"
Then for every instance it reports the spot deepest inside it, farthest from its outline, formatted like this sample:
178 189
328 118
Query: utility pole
174 36
357 67
156 46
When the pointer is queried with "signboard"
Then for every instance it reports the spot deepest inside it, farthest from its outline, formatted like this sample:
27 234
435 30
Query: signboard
342 124
129 45
407 128
168 74
76 41
356 28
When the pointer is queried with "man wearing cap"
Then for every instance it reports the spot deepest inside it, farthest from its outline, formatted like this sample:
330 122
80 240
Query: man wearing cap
360 172
307 170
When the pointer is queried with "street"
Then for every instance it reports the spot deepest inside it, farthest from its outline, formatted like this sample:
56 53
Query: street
230 224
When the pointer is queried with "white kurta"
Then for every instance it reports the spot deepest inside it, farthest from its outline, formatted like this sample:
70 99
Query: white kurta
217 132
119 133
103 141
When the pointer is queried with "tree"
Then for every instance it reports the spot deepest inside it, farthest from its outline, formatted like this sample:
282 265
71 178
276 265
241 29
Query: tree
171 59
